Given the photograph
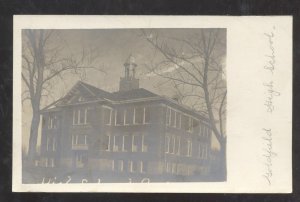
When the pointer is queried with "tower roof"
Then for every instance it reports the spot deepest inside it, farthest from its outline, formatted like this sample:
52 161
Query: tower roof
130 60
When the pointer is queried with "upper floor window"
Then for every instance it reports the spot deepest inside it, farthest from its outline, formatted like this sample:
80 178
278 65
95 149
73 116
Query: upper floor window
173 118
185 122
195 125
139 115
129 114
119 117
52 121
146 115
107 115
205 131
168 116
178 120
80 116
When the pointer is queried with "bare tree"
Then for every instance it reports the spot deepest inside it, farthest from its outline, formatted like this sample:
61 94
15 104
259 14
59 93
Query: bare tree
194 66
44 60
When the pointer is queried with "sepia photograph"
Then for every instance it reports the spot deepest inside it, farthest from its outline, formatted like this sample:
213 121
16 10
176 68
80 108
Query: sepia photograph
156 104
124 105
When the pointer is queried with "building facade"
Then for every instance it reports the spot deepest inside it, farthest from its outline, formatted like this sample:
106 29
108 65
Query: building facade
129 133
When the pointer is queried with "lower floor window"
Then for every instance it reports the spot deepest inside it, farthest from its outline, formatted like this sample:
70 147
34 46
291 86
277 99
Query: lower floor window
80 160
47 162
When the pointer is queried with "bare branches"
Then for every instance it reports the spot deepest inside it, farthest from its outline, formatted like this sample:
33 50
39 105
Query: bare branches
197 75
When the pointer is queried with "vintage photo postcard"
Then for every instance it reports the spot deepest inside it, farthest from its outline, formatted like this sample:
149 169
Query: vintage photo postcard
152 104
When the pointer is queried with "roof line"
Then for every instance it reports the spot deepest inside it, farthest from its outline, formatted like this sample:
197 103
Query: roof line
83 84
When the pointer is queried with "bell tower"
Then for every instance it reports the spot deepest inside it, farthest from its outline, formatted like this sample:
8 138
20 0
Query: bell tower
129 82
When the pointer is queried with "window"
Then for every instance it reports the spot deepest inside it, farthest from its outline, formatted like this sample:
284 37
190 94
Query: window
51 162
80 160
48 162
52 122
81 99
120 165
172 145
178 145
190 127
107 112
204 131
107 143
200 150
79 139
146 115
195 125
185 122
126 143
167 144
168 167
117 141
178 120
168 116
113 165
129 116
203 151
75 117
208 132
132 166
174 168
139 115
143 167
189 146
80 116
200 129
173 118
144 146
119 117
51 143
134 143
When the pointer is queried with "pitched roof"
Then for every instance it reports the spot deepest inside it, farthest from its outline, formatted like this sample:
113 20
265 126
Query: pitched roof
133 94
96 91
140 93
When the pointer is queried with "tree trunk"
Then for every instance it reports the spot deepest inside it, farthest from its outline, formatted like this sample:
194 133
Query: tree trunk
223 163
35 122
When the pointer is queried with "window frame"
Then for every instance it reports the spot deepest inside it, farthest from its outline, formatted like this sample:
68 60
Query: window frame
110 115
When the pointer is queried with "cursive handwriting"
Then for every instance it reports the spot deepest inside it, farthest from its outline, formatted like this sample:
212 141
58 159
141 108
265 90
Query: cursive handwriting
270 67
54 180
271 93
268 154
